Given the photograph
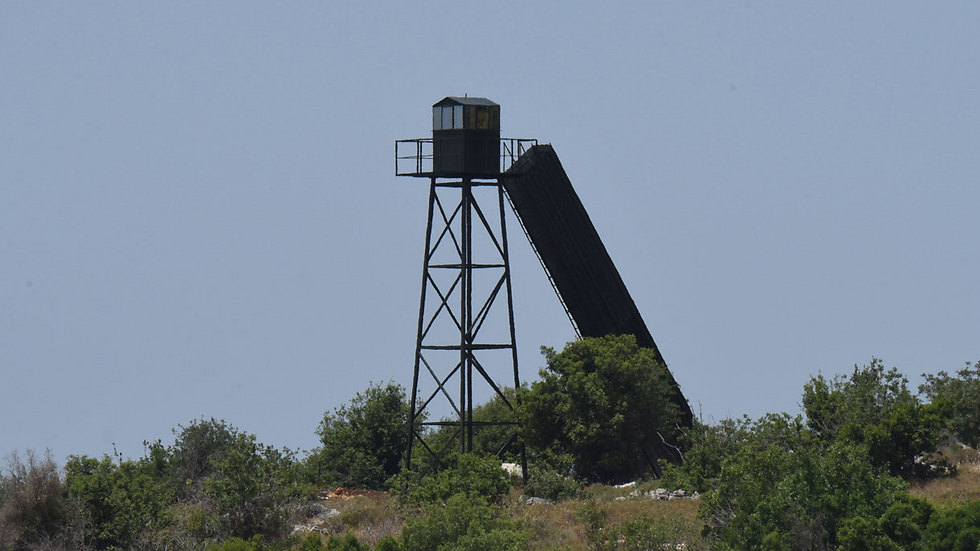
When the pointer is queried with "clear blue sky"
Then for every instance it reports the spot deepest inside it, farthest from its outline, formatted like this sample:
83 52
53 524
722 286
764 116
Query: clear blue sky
198 213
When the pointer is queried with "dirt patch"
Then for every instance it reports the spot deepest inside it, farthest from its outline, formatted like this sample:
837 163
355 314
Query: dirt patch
348 493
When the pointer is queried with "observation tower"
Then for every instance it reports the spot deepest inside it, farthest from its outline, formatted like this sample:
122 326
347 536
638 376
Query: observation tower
466 334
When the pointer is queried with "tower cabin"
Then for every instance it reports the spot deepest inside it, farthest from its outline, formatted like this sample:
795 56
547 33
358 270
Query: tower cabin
465 138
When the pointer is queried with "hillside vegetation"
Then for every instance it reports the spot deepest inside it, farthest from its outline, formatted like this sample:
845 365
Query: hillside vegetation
868 464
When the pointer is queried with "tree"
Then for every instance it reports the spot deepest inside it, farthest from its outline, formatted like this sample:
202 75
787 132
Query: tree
874 407
785 488
364 441
117 502
606 402
249 487
960 394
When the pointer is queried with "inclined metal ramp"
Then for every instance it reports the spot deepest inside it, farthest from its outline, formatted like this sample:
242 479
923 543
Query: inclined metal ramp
576 261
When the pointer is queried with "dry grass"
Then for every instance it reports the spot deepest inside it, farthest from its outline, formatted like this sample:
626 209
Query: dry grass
551 526
369 517
558 526
948 493
954 491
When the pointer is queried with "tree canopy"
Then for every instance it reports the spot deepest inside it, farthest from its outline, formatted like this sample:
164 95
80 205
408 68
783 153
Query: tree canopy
607 403
364 440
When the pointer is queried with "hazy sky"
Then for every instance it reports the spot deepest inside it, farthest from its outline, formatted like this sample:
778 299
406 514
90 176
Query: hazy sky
199 217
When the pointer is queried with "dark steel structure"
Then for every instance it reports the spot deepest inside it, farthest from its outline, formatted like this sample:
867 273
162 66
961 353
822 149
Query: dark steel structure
581 271
466 267
466 335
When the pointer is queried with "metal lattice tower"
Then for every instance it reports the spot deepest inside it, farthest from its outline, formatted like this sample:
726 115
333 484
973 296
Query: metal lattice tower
466 337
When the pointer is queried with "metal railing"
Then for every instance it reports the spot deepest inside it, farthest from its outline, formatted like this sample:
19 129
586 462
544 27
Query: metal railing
413 157
511 149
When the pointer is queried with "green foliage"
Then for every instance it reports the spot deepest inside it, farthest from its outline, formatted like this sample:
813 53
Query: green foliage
707 447
866 397
473 476
874 407
644 533
364 441
238 544
787 489
214 483
462 523
956 530
388 543
457 508
194 448
900 528
607 403
347 543
594 521
249 487
117 501
487 439
960 395
32 506
552 485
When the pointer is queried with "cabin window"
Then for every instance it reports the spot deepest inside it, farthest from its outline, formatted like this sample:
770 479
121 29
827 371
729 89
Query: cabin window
457 116
481 117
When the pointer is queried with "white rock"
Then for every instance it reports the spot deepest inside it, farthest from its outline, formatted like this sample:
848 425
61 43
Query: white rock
512 469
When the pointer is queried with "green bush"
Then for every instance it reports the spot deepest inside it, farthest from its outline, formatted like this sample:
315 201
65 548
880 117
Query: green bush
644 533
785 486
606 402
473 476
347 543
552 485
238 544
388 543
960 395
462 523
364 441
956 530
249 487
117 502
706 448
189 460
487 439
875 408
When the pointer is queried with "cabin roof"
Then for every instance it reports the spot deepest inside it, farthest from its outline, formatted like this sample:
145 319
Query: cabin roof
456 100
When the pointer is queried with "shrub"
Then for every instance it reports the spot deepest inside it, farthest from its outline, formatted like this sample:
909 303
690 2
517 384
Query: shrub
238 544
785 485
500 440
364 441
474 476
189 460
607 403
874 407
644 533
706 449
960 394
552 485
117 502
462 523
31 504
956 530
249 487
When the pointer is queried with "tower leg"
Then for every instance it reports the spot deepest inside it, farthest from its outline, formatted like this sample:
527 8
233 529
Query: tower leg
457 313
